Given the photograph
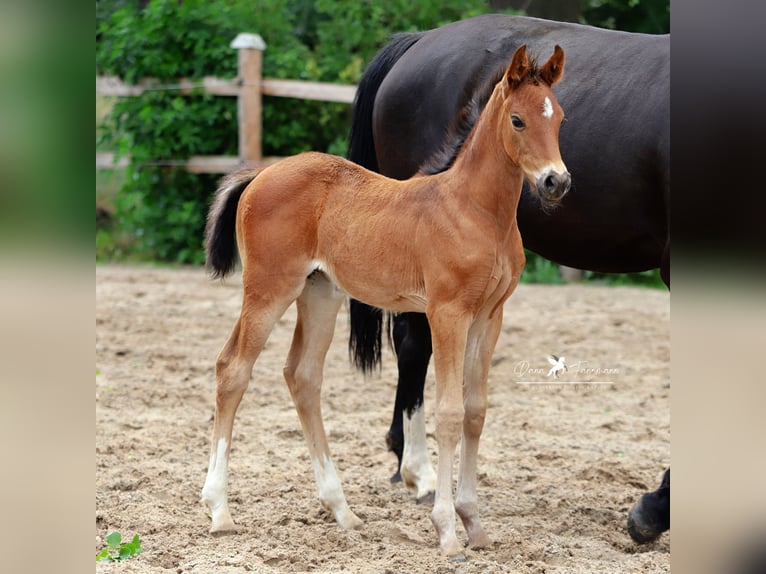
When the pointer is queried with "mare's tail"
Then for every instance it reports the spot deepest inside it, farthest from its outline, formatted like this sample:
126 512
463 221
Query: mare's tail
366 330
220 232
361 146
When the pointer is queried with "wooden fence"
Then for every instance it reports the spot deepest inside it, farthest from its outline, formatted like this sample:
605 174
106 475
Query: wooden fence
248 87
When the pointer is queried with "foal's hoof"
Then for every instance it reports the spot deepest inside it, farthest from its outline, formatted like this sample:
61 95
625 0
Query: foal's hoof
223 529
481 542
396 477
451 549
222 523
350 521
427 498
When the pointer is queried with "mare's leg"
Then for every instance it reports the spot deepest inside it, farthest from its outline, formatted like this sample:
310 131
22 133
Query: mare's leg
233 369
481 345
412 341
665 264
318 307
449 328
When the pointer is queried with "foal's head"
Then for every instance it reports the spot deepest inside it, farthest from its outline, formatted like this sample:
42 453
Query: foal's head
530 122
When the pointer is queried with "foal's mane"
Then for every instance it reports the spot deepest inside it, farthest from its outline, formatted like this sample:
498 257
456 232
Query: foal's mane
464 121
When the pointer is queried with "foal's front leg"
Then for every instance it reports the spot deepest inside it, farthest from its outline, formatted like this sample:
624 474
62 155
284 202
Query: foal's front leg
449 329
481 346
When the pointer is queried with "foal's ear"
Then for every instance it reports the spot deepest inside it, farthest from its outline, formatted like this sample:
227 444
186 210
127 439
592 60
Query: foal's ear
518 67
553 69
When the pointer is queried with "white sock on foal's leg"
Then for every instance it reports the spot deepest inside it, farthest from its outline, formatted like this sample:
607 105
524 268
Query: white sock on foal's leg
214 493
331 493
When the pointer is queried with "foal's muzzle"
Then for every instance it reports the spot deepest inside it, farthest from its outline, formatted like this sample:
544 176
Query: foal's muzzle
552 185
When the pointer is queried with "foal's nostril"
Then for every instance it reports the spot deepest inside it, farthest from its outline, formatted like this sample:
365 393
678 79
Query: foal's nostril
550 183
553 186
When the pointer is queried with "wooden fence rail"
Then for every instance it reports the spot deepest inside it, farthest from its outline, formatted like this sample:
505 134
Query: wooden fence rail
248 87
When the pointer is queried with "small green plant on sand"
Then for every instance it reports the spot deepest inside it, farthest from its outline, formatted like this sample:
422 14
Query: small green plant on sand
118 550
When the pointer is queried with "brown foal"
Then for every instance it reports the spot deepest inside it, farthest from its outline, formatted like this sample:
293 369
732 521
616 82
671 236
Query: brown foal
315 228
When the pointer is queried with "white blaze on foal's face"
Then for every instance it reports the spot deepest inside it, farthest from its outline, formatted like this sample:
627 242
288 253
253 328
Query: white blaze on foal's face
547 107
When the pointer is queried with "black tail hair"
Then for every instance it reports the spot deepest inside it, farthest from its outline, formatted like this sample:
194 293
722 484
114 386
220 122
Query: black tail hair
366 323
361 147
220 232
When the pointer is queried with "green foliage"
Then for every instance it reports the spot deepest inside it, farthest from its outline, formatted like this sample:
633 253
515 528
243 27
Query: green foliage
648 16
344 45
161 209
540 270
649 278
117 550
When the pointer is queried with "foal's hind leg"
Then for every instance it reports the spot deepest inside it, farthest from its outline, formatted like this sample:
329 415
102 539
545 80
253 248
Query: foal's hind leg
233 369
318 308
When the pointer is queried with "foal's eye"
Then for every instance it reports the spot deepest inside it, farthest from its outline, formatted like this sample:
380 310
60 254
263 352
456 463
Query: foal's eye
517 123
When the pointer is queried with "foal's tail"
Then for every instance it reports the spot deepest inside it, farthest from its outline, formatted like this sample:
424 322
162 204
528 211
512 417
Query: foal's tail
365 339
220 232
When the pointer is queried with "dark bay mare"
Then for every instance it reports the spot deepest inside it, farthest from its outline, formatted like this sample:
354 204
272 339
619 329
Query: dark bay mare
410 103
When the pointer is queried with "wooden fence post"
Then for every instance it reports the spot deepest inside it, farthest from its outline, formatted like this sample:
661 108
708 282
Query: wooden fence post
250 47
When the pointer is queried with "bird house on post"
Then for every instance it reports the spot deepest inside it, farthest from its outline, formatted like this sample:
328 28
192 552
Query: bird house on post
251 47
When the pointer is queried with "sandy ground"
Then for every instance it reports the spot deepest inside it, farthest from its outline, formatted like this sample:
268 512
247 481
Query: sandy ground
559 464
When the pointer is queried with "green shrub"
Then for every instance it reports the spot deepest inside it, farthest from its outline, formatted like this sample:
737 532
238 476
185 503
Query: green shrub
648 16
540 270
157 206
649 278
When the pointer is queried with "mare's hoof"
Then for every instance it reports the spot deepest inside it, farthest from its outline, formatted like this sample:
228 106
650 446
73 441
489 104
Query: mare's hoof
457 558
639 530
650 515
